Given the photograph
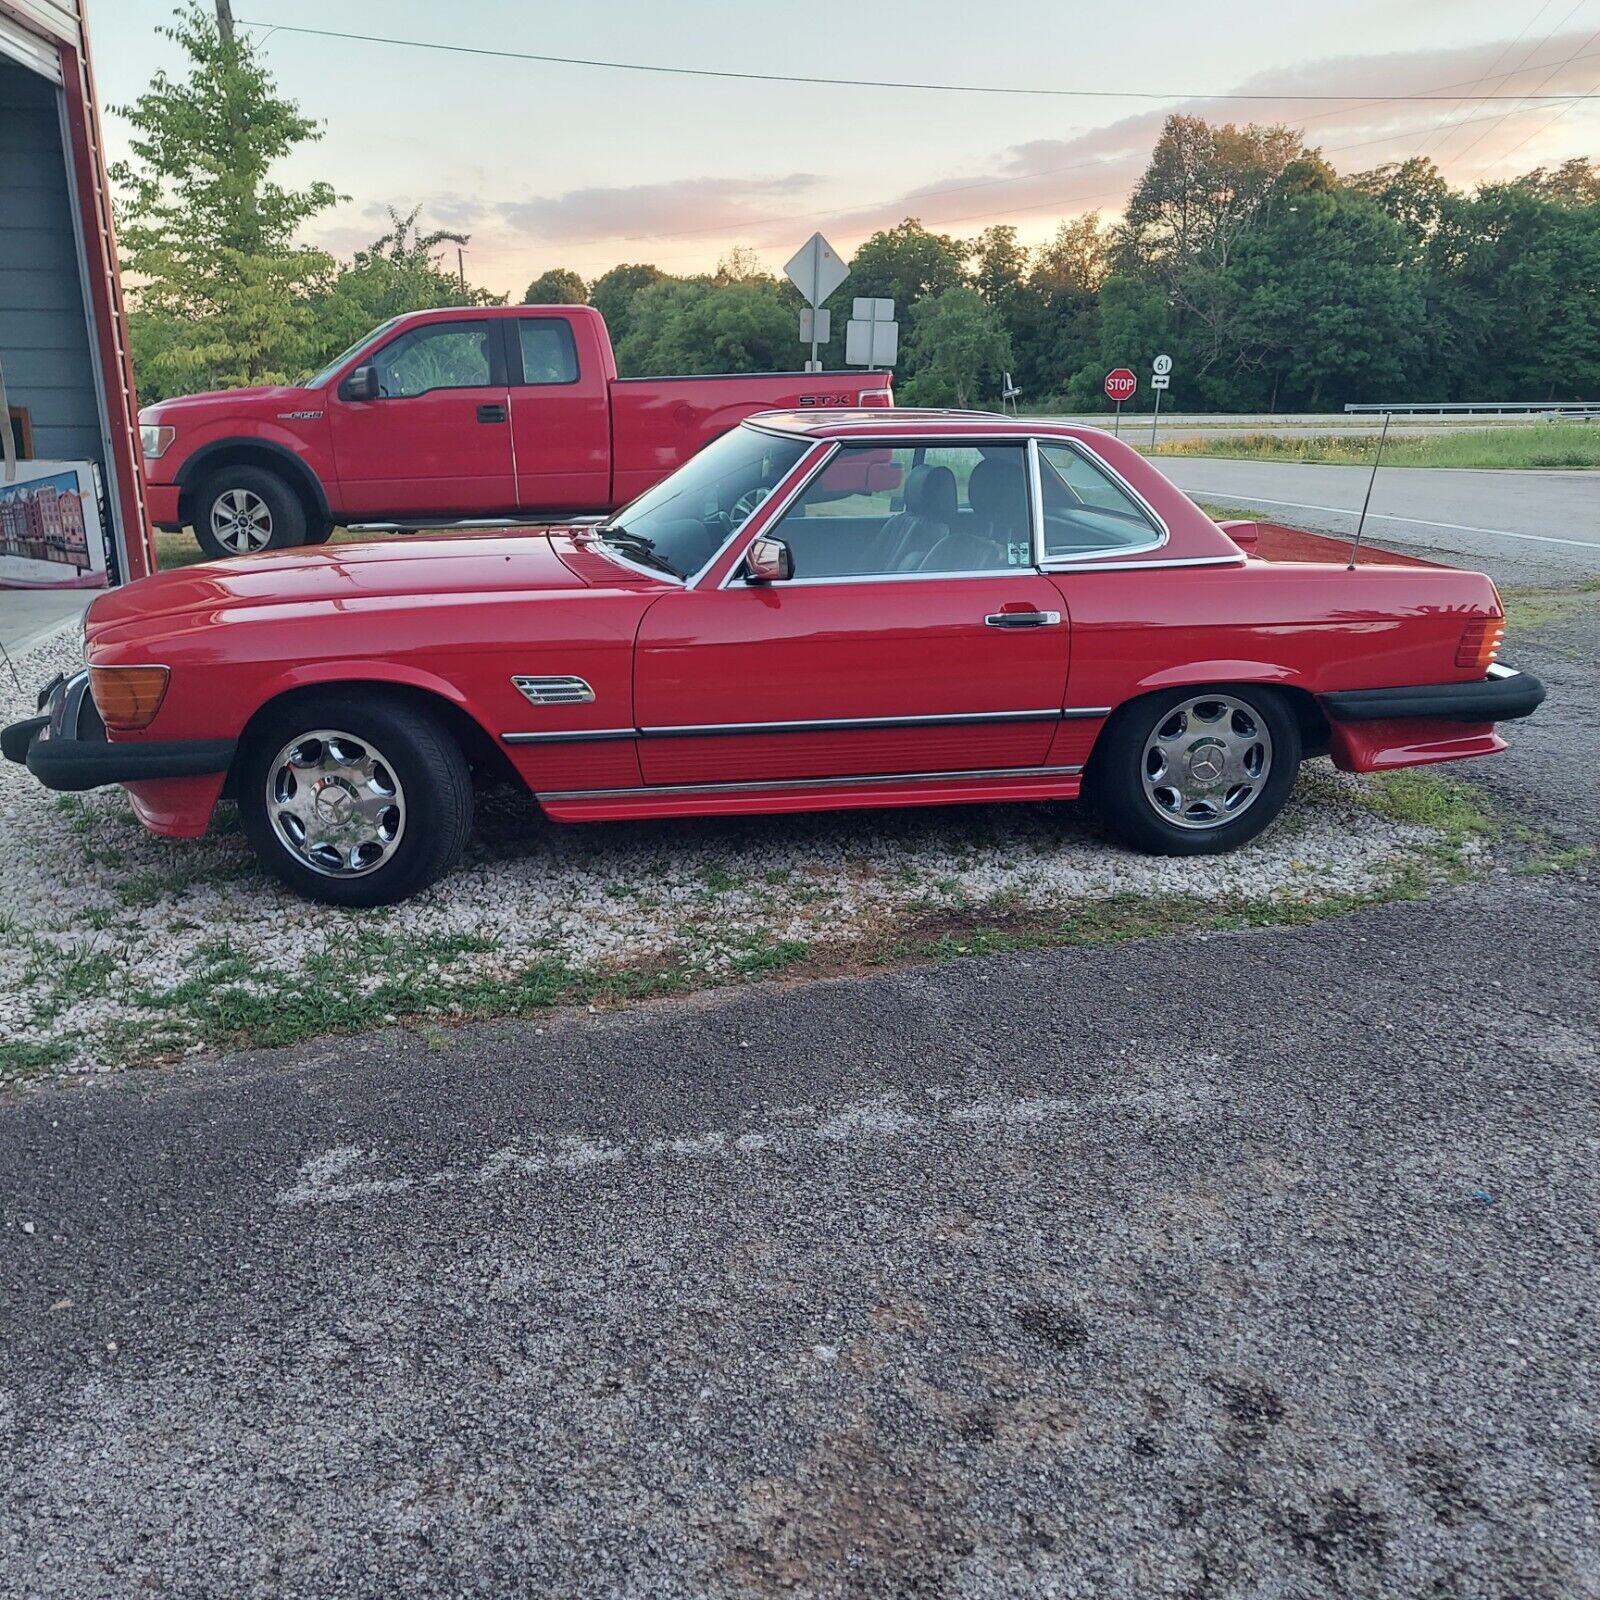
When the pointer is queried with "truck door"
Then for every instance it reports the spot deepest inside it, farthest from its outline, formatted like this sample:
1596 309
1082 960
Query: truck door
436 441
560 417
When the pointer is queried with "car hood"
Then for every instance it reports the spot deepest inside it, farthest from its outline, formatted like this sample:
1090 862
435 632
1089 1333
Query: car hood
416 567
271 398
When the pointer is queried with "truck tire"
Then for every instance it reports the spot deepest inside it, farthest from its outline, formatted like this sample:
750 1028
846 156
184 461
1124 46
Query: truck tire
242 510
354 796
1197 770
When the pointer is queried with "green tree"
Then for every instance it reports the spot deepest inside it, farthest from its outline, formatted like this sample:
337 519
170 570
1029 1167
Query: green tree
560 286
1053 317
219 292
693 325
957 349
402 270
1135 320
612 295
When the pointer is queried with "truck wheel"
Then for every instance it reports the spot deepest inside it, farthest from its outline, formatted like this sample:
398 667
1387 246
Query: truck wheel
242 510
1195 771
355 798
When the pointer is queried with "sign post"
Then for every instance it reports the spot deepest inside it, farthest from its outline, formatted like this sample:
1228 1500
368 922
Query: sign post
1121 385
816 271
1162 379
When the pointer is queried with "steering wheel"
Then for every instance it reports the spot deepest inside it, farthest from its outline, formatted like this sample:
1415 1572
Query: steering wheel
744 507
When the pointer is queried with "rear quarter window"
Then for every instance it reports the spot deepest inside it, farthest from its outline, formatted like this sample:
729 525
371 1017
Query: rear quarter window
549 353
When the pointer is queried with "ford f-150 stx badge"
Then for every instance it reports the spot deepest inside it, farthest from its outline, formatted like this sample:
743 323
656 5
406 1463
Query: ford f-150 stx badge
874 608
444 416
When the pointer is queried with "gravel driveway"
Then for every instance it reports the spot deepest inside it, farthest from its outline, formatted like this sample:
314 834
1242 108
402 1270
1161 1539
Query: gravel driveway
116 946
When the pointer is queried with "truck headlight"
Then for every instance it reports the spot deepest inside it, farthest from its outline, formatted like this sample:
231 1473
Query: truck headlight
155 441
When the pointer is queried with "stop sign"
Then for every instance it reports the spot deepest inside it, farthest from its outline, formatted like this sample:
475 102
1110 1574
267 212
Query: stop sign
1121 385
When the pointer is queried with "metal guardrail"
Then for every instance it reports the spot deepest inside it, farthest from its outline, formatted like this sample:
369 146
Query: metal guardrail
1420 408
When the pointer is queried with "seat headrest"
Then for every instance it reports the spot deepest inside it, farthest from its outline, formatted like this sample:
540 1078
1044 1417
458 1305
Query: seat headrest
931 493
998 492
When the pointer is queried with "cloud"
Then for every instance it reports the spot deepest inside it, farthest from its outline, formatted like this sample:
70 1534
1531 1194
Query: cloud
641 210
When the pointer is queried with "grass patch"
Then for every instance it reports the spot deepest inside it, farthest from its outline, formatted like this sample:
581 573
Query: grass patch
1540 445
18 1060
1527 609
1453 808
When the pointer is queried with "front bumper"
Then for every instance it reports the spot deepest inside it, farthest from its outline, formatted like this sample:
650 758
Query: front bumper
161 501
65 746
1504 695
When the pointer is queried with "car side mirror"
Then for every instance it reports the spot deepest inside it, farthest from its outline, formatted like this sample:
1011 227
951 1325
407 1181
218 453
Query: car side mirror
768 561
362 384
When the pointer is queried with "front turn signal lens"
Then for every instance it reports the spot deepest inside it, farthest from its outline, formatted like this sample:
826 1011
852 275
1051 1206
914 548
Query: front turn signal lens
1480 642
128 698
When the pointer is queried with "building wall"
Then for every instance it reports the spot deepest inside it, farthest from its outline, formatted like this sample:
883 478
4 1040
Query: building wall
44 340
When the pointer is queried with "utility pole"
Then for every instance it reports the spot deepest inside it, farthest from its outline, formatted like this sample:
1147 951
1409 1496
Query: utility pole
461 272
225 20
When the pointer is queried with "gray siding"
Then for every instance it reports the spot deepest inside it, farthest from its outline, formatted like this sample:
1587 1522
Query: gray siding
44 336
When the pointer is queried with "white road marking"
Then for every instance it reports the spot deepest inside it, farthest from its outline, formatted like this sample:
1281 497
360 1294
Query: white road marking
343 1173
1388 516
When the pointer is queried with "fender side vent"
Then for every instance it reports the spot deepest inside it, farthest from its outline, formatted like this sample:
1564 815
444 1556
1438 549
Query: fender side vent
554 691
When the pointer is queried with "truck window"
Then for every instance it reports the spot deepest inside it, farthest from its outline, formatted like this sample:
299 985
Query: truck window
548 352
438 355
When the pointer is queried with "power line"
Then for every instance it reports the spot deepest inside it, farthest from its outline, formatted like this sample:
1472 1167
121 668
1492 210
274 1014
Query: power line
1461 155
1505 50
848 83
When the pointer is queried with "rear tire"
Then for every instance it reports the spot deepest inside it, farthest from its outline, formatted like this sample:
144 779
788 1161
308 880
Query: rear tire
354 797
243 510
1197 770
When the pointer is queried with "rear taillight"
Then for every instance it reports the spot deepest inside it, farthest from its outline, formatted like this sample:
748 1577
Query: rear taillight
1480 643
876 399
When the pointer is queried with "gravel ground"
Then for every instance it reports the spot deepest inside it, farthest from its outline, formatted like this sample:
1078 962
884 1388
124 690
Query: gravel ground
103 928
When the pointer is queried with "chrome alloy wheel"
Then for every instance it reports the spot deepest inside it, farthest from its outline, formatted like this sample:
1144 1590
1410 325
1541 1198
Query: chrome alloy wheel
241 521
1207 761
335 803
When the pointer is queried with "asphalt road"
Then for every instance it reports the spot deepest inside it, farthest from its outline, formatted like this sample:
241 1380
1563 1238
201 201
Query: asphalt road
1258 1264
1522 528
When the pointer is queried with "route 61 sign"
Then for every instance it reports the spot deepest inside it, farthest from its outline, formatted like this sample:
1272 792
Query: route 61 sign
1161 366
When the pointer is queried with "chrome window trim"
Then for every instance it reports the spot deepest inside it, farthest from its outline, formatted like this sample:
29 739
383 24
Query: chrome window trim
1060 567
1093 457
886 577
954 719
1035 502
785 499
863 780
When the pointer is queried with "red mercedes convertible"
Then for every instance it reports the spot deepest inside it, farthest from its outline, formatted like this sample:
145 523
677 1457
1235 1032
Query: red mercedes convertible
873 608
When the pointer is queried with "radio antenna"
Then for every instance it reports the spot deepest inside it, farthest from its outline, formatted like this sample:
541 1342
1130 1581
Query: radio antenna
1377 456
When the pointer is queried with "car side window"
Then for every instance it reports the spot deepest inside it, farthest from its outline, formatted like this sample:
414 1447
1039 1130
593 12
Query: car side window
548 352
438 355
1086 511
876 511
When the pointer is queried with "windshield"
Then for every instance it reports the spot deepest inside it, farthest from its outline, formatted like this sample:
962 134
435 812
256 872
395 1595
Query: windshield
312 379
681 523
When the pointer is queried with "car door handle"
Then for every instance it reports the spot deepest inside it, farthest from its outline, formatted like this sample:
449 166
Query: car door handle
1022 619
491 413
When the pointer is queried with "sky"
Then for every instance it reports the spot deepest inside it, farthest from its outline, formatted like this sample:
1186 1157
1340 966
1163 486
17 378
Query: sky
547 165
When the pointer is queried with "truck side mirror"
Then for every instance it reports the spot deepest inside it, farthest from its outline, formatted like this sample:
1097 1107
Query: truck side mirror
362 384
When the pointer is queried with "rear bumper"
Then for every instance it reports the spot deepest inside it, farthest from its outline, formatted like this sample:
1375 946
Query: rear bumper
65 746
1504 695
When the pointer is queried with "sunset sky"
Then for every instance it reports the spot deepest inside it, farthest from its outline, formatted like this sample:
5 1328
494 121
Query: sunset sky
583 167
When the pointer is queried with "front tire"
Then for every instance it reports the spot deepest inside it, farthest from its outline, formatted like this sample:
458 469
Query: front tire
1196 770
355 797
243 510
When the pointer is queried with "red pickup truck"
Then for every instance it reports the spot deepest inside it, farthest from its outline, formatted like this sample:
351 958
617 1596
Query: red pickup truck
449 415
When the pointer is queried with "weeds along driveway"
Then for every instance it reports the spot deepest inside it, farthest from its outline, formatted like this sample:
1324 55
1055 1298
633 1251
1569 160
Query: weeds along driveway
117 947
